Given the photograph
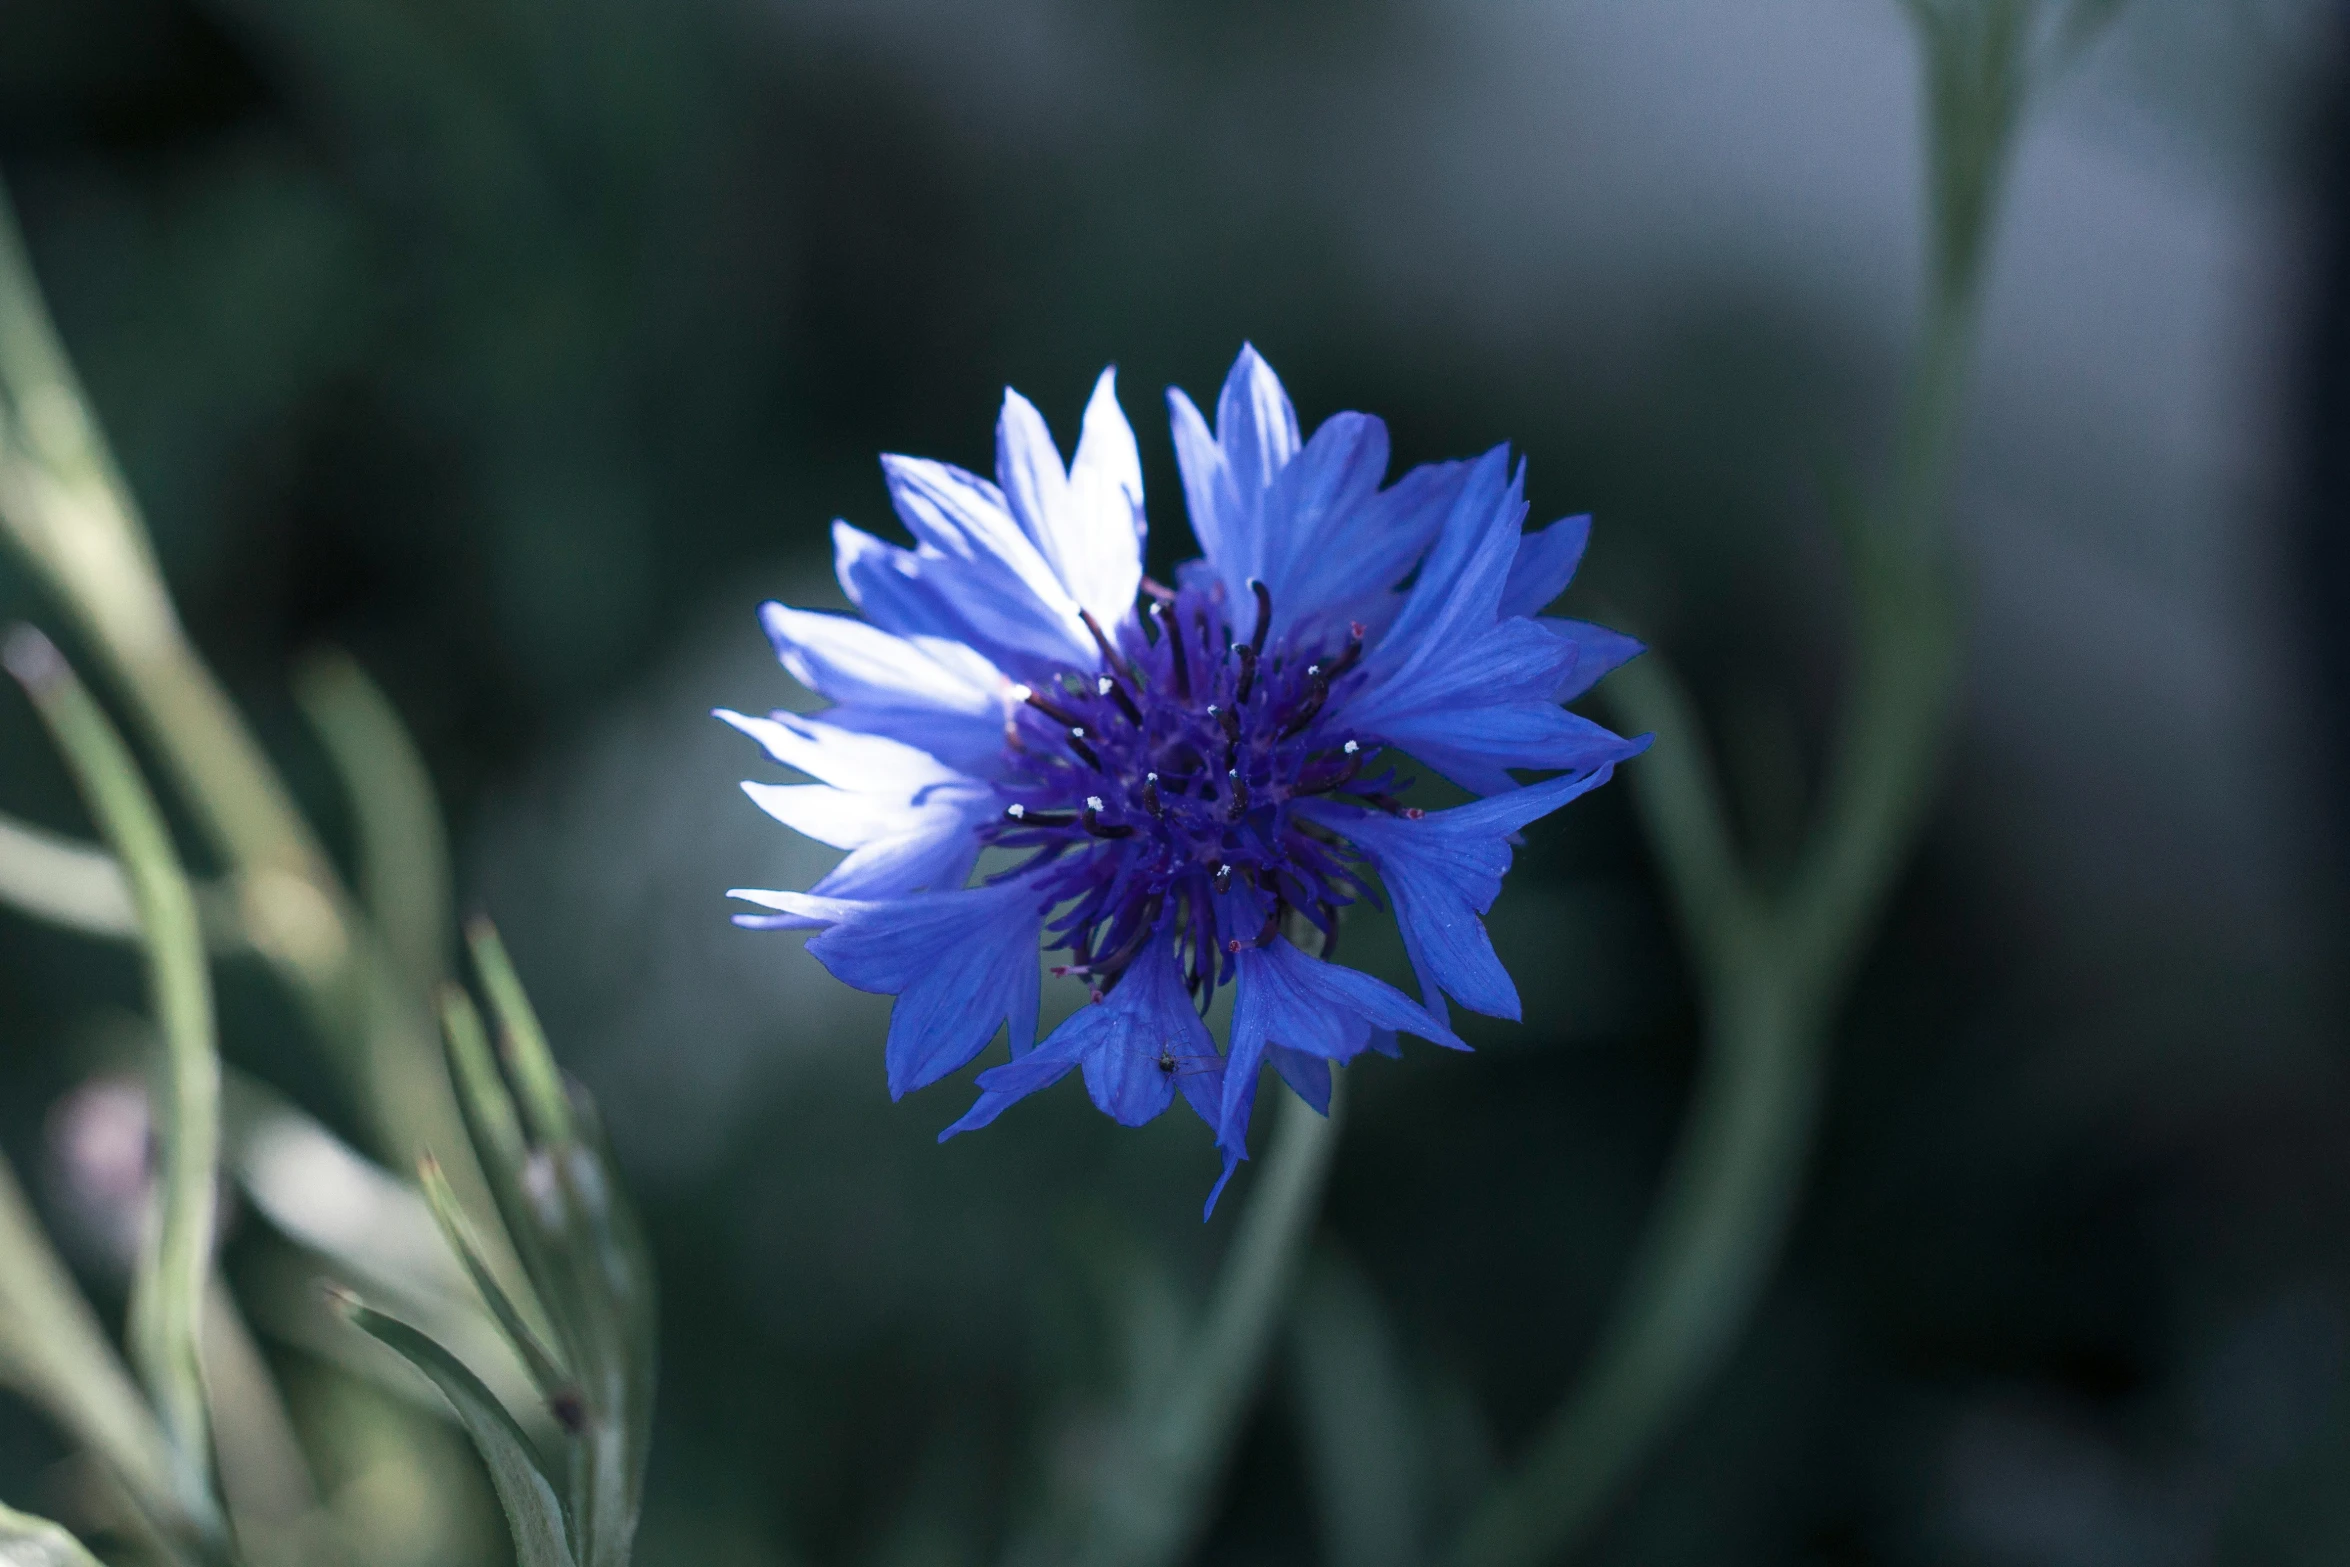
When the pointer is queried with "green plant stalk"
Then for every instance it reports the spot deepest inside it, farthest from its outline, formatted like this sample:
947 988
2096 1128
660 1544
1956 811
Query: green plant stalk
403 849
66 509
26 1541
1153 1514
1774 963
168 1288
54 1351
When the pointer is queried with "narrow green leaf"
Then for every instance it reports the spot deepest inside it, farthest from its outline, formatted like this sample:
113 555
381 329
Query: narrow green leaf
167 1291
523 1042
554 1383
26 1541
55 1353
534 1512
489 1109
403 846
1360 1422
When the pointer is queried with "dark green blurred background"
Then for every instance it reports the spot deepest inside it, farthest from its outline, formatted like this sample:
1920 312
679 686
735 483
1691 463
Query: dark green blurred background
523 346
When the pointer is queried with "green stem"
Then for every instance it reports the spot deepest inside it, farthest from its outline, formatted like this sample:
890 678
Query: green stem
66 509
1773 963
1153 1512
168 1290
54 1351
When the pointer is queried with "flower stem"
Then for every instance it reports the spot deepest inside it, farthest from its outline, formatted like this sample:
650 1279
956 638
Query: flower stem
66 511
1774 959
1153 1512
175 1263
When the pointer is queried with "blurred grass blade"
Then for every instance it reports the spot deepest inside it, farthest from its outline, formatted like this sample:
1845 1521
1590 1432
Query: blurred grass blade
552 1380
26 1541
65 509
54 1353
522 1042
265 1480
373 1231
75 885
79 887
403 846
167 1290
534 1512
481 1091
1153 1509
1361 1430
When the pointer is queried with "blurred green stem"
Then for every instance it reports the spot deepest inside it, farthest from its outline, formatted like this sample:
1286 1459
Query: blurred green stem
1153 1511
65 508
1774 957
54 1351
175 1264
77 886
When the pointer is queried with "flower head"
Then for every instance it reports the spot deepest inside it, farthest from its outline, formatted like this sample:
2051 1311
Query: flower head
1186 786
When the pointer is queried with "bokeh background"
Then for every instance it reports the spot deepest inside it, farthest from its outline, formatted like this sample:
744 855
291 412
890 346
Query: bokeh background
522 347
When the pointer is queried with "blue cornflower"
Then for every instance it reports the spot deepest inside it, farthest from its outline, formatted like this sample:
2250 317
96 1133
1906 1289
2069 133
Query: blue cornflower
1180 784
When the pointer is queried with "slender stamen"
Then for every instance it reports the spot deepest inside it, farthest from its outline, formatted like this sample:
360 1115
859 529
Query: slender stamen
1091 821
1150 795
1264 614
1101 639
1353 654
1239 793
1317 692
1035 699
1028 818
1226 720
1174 624
1248 672
1264 937
1084 751
1105 686
1224 878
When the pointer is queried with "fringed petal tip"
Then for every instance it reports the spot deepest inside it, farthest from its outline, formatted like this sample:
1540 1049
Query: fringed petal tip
1231 1163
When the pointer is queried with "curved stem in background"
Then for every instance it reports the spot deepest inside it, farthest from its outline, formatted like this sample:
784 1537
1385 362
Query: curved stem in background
54 1351
1152 1511
168 1287
1774 962
69 515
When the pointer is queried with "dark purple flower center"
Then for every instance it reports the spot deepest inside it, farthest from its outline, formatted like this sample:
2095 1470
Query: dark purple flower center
1150 787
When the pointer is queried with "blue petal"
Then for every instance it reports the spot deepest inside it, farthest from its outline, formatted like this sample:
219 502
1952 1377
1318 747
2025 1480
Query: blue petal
1443 871
1000 582
960 963
1458 592
897 589
1225 477
1347 575
1598 651
1545 564
1308 1076
846 758
1482 740
1284 998
1313 520
1255 424
936 695
1121 1042
1087 521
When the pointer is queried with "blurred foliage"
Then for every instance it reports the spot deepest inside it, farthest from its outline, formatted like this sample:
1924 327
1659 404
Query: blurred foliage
522 347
